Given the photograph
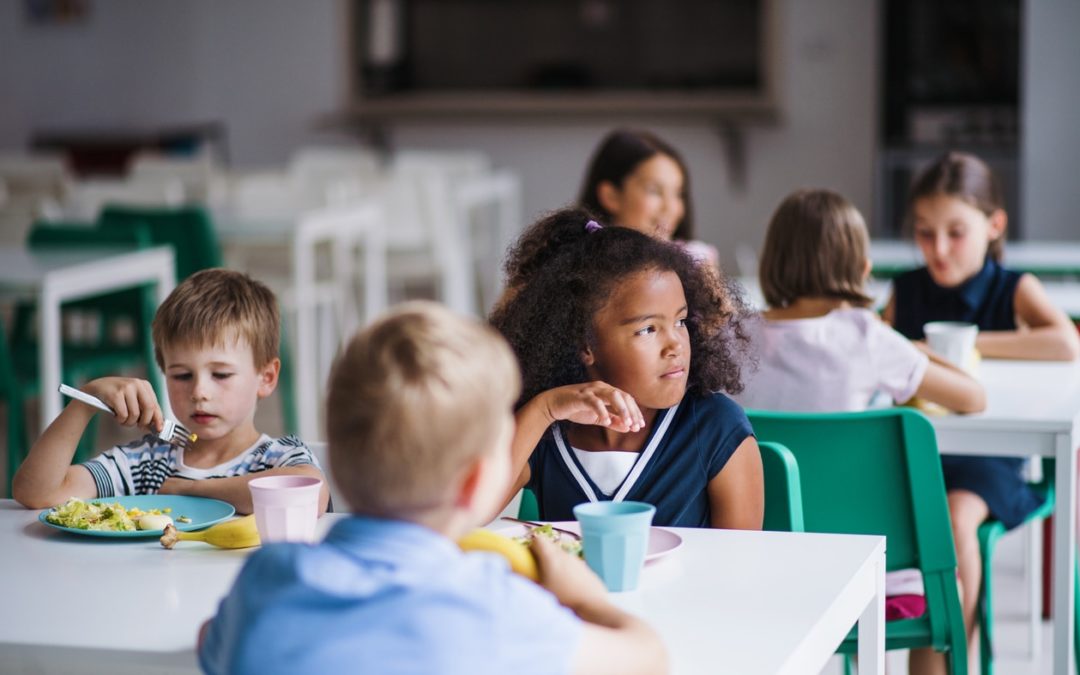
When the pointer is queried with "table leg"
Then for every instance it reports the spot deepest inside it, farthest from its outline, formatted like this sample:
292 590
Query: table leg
376 295
1064 555
305 355
872 626
49 353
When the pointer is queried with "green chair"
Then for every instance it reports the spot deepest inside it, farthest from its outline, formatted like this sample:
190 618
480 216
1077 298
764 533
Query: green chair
990 532
878 472
12 391
529 508
783 489
188 230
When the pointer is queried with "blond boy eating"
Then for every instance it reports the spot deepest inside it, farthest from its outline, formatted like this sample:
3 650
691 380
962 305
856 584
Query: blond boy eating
216 338
419 429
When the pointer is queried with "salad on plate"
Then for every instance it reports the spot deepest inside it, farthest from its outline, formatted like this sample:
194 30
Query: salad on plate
107 517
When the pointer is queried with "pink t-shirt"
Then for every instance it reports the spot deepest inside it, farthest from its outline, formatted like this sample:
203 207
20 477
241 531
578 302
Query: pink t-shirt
834 363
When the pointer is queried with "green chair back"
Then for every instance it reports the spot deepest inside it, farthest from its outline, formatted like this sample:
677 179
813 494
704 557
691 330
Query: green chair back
187 229
783 489
879 472
529 508
11 392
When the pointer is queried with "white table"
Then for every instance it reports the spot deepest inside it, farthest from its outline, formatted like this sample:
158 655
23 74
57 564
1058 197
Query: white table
738 602
890 257
59 276
1033 408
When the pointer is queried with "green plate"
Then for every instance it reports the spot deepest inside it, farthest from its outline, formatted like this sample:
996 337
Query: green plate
203 512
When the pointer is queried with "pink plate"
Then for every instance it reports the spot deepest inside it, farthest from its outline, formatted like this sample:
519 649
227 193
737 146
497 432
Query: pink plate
661 541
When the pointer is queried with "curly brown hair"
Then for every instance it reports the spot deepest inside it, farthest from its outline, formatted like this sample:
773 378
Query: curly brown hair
559 275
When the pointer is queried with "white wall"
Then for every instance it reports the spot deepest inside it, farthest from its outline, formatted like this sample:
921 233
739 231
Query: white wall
266 68
1050 156
269 68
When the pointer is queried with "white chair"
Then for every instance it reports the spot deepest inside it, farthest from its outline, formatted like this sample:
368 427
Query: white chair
336 173
86 199
427 239
489 208
35 185
39 173
326 304
196 174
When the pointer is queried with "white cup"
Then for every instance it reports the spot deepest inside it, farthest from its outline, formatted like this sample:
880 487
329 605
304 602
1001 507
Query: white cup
953 340
286 507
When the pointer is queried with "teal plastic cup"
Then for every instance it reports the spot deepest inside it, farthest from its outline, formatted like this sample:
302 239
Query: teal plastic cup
615 537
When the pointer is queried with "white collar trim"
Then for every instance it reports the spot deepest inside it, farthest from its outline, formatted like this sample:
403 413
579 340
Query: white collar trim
634 474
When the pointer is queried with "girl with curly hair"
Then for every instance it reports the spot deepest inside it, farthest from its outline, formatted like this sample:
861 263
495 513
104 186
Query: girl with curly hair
625 342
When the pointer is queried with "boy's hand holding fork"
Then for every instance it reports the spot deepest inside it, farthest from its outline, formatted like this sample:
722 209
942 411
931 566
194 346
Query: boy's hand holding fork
46 477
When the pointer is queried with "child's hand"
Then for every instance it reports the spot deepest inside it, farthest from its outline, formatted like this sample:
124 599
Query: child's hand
132 400
567 576
596 403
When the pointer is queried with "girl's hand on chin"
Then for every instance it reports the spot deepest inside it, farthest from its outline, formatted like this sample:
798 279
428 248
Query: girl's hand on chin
596 403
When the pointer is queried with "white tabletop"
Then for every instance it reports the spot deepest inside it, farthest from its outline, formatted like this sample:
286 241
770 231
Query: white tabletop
23 270
740 602
1024 398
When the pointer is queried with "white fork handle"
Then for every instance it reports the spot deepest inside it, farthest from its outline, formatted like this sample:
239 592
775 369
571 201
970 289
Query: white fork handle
85 398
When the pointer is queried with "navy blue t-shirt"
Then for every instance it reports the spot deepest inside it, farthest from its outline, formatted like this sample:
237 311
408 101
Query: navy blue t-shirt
985 300
687 447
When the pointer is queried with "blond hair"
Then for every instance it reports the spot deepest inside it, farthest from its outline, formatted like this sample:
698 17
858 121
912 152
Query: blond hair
414 398
816 247
214 306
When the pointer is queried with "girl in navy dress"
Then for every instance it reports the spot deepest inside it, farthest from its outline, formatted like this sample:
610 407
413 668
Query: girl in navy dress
623 341
958 216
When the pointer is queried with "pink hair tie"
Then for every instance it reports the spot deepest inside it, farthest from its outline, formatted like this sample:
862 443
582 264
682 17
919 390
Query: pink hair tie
593 226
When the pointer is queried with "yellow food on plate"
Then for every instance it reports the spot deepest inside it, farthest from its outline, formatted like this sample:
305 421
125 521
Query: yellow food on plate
236 533
516 553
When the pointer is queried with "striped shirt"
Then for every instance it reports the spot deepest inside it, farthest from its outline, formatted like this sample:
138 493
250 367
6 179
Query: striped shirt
140 467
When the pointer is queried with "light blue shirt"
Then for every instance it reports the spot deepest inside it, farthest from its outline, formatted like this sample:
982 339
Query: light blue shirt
382 596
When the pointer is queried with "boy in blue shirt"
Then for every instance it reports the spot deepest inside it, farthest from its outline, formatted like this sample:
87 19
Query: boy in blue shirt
419 425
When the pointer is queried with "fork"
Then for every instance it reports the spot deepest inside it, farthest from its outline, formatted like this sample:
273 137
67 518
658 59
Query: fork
172 432
533 523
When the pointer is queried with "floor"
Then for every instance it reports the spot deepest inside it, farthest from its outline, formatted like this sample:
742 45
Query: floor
1011 597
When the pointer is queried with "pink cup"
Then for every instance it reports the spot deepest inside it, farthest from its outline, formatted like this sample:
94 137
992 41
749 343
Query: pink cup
286 507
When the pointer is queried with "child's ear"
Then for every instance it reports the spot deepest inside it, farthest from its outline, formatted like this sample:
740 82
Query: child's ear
608 196
999 220
587 357
268 377
471 481
866 269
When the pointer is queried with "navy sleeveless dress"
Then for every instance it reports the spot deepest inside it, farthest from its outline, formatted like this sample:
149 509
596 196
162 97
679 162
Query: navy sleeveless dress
987 301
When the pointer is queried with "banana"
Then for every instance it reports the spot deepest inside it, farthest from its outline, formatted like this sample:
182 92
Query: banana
517 554
236 533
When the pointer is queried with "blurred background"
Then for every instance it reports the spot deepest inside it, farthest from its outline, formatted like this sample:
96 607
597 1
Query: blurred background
840 93
353 153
